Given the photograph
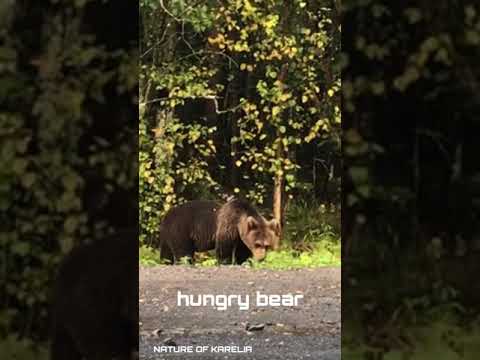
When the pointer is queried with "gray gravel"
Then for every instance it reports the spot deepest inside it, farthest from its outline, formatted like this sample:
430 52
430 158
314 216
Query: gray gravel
309 331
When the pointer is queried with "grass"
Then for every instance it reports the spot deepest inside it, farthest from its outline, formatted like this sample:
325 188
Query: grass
14 347
444 332
293 259
149 256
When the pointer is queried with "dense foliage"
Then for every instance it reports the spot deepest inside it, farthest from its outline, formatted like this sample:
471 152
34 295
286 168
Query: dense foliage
68 148
238 97
411 186
409 144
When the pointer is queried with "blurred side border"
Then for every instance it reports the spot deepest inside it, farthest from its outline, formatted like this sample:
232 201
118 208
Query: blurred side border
68 149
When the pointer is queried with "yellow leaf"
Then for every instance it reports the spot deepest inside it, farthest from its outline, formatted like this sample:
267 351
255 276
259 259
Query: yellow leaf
248 7
275 111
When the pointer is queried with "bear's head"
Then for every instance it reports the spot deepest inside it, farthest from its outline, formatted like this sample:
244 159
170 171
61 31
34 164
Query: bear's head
259 235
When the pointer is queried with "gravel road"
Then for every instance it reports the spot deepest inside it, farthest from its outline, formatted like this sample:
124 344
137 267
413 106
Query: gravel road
310 330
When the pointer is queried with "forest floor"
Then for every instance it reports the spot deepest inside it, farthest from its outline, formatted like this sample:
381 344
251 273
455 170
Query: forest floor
310 330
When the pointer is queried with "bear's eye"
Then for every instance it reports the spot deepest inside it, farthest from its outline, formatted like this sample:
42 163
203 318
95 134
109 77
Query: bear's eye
258 246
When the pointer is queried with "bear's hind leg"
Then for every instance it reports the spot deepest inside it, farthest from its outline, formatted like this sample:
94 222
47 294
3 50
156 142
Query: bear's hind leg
166 253
63 346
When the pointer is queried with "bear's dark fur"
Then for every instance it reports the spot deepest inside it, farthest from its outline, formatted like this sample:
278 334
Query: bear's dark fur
95 305
235 230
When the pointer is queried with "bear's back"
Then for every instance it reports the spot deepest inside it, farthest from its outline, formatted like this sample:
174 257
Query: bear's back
191 223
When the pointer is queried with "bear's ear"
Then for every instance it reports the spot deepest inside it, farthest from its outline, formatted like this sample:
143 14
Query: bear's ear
274 225
252 223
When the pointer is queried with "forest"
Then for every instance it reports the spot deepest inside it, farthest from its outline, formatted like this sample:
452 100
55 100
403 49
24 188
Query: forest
410 185
242 98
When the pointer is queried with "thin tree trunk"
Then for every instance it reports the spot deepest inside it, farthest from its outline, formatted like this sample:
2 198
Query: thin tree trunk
278 189
278 199
234 133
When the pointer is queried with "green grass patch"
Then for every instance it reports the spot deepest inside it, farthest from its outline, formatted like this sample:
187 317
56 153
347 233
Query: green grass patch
149 256
323 253
289 258
440 333
431 346
14 347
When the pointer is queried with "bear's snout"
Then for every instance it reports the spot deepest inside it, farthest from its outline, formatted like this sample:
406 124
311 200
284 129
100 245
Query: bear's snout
259 253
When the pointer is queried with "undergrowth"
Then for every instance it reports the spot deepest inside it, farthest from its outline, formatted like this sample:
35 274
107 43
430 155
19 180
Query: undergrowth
443 332
13 347
323 253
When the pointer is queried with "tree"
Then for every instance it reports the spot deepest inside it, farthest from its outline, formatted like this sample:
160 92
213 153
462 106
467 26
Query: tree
245 94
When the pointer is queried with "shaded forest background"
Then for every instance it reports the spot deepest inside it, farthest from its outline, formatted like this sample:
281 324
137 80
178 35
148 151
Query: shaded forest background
242 98
411 180
68 148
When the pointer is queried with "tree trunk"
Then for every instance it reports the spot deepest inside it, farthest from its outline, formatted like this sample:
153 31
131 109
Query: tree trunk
278 189
278 199
234 133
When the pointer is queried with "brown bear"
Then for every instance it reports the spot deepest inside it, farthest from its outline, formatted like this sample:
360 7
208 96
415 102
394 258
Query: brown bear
235 230
95 305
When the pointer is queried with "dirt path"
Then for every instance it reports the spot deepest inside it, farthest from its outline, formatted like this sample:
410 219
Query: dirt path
308 331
